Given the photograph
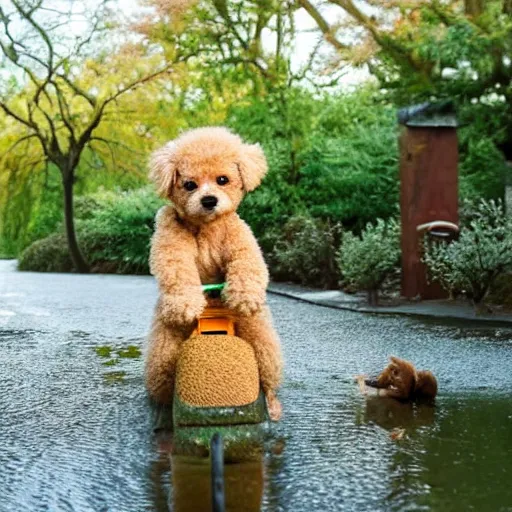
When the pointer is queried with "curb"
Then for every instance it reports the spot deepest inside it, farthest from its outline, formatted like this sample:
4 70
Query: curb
489 321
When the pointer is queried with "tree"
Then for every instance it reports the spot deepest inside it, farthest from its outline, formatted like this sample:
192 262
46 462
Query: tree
63 86
227 36
423 47
428 50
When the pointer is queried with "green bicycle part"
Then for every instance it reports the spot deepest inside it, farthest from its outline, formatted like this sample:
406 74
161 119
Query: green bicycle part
211 287
243 428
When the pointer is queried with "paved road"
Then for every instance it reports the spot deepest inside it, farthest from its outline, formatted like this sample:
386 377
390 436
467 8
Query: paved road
76 428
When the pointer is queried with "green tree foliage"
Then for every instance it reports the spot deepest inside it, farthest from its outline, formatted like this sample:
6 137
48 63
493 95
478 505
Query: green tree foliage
52 112
228 37
429 50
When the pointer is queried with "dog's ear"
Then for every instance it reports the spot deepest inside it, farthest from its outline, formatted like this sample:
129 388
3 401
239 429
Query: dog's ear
252 166
396 360
162 169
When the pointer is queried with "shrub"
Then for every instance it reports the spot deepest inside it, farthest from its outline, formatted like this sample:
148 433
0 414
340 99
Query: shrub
501 290
331 157
352 181
305 252
482 171
114 230
366 261
267 209
118 231
481 254
47 255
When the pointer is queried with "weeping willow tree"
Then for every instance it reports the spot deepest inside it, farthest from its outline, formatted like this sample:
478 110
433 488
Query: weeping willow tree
63 82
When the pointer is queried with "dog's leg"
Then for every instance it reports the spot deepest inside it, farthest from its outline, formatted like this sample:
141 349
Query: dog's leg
163 350
259 332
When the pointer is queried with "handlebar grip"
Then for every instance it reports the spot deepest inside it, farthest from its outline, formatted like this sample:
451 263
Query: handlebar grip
213 287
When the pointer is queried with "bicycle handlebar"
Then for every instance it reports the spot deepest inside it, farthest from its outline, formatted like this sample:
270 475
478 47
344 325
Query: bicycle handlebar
211 287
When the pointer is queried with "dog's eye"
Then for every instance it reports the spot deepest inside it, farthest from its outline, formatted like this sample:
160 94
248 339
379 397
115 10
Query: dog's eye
222 180
190 185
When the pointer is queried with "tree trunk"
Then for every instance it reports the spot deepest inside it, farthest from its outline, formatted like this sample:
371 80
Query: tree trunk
74 250
373 298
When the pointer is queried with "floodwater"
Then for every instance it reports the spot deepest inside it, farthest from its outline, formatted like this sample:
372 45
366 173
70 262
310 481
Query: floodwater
76 430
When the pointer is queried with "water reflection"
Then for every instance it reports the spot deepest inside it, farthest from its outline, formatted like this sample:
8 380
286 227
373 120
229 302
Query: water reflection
183 483
191 489
390 414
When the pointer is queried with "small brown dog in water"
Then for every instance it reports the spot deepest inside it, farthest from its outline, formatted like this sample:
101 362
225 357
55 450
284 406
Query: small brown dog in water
402 381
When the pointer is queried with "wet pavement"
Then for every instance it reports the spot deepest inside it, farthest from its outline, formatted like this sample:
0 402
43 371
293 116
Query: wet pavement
76 427
443 309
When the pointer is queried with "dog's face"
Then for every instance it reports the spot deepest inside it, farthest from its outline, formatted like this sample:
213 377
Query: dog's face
206 172
204 192
399 374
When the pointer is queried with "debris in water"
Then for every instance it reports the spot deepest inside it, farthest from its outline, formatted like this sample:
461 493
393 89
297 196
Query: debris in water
397 434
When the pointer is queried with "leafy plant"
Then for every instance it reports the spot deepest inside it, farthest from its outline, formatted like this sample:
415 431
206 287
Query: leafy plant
365 261
482 253
119 230
305 252
114 228
50 254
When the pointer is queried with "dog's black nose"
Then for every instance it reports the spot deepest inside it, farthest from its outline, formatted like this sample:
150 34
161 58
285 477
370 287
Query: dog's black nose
209 202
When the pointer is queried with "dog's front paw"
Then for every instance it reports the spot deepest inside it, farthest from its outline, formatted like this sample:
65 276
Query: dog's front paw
246 303
182 310
275 410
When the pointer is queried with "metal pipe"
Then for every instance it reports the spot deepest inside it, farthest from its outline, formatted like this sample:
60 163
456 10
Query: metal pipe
217 473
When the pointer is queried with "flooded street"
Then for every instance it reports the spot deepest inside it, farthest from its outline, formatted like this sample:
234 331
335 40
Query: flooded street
76 428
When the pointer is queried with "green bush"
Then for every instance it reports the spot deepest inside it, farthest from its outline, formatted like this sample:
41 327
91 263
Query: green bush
501 290
365 261
351 181
305 252
270 205
118 228
482 171
482 253
333 157
47 255
114 230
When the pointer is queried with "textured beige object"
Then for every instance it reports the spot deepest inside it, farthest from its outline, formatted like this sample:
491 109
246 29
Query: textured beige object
217 371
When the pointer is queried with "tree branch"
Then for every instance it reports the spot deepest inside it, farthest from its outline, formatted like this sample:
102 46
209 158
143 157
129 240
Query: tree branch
18 118
28 16
19 141
87 133
325 28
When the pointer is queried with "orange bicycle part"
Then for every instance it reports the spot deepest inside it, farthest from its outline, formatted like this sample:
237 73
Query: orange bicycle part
216 321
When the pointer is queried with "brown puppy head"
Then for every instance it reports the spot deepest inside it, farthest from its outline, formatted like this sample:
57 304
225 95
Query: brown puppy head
206 172
399 374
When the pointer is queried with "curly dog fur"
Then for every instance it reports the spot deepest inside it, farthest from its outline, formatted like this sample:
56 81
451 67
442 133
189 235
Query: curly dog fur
199 238
402 381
